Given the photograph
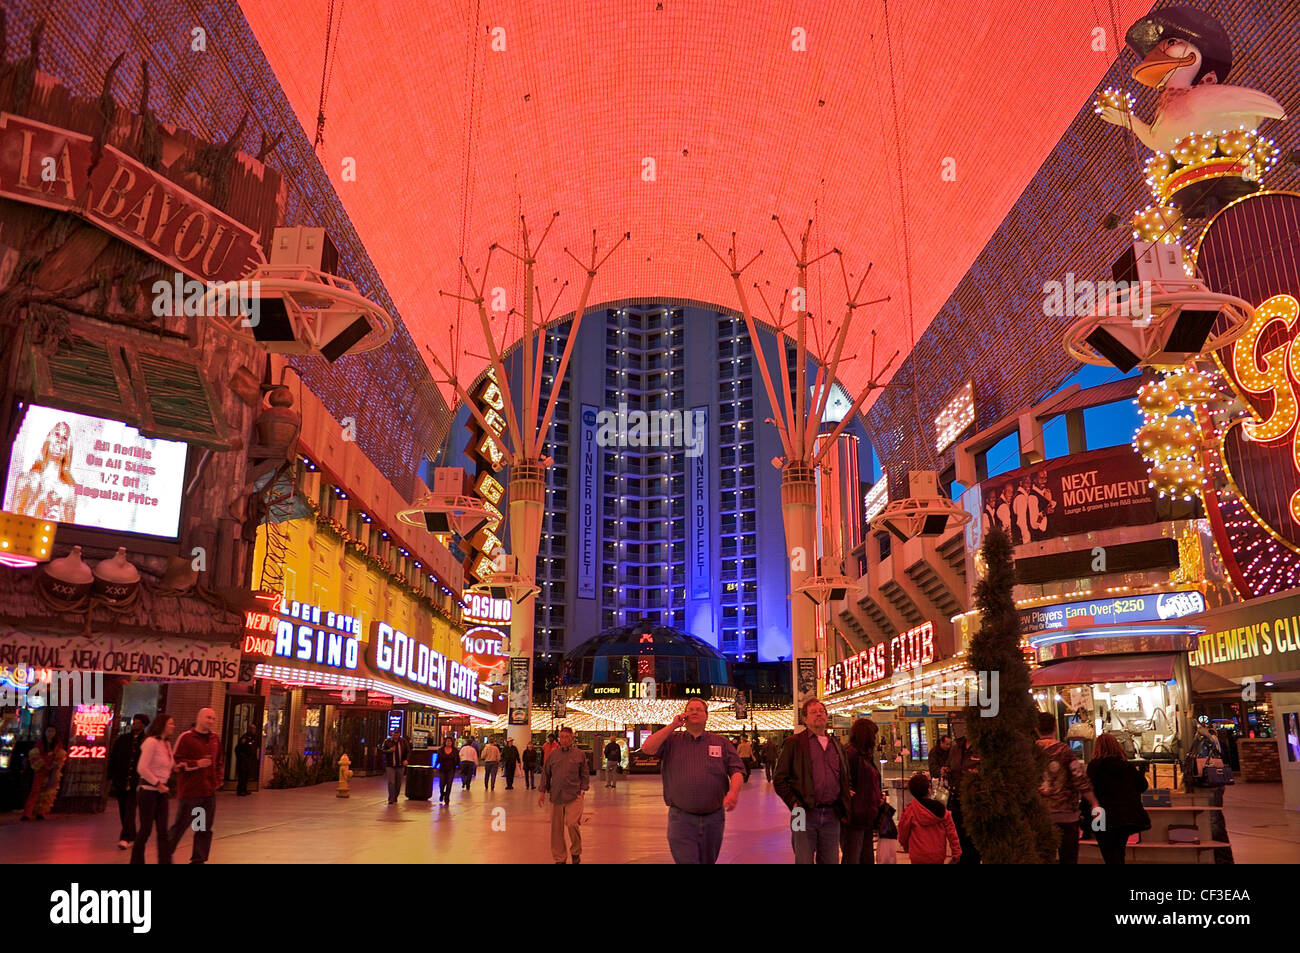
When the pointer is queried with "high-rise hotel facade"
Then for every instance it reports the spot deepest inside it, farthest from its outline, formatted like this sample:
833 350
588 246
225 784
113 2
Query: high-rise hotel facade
689 535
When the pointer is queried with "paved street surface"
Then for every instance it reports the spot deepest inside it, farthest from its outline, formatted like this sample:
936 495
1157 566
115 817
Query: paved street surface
626 825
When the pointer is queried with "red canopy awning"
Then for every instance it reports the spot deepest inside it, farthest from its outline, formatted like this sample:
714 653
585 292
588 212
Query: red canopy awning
1121 668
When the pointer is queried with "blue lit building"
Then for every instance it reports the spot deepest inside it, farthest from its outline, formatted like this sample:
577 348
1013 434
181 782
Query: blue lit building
690 540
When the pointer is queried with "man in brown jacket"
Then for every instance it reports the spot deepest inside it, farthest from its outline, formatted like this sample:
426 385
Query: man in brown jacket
565 777
812 777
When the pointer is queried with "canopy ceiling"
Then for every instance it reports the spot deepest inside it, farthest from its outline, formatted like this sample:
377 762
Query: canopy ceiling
452 140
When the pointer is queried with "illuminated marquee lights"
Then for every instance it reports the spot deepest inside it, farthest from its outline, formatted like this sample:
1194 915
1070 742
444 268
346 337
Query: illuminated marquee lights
488 487
1270 377
24 540
954 418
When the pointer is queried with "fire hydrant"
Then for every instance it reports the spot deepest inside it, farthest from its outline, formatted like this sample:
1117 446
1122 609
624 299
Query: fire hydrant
345 772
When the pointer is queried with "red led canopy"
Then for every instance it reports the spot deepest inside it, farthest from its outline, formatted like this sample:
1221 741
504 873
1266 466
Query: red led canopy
451 139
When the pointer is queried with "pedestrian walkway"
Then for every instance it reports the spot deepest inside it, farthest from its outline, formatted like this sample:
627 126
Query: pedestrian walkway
624 825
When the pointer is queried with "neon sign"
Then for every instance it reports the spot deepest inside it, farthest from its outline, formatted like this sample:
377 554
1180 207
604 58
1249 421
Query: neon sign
402 657
910 650
1268 377
482 608
91 721
305 633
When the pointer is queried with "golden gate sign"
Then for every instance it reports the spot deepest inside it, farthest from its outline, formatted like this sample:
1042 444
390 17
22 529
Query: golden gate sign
44 165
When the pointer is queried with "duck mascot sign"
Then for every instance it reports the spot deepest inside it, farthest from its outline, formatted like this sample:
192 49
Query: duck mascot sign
1207 175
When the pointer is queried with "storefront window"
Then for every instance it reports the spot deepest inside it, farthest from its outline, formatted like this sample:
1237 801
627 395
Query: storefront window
1140 715
314 733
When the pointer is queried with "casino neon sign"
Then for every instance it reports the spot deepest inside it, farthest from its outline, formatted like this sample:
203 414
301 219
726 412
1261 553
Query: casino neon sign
910 650
305 633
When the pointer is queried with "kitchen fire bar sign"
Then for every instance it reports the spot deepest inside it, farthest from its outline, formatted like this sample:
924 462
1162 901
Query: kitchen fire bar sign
48 166
589 480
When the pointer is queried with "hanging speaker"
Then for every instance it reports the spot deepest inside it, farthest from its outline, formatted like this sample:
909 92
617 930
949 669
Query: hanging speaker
934 525
343 342
439 523
1190 331
1109 347
272 321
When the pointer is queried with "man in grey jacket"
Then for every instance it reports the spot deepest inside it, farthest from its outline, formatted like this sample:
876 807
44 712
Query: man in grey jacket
565 777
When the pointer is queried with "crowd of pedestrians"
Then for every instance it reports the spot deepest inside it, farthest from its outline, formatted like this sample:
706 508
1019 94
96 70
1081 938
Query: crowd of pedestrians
832 788
149 767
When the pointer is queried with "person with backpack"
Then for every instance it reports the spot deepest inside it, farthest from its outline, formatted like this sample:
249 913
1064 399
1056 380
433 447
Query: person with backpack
1118 786
1065 783
926 829
856 841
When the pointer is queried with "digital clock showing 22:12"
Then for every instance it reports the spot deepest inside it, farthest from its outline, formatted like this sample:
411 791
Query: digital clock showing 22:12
87 751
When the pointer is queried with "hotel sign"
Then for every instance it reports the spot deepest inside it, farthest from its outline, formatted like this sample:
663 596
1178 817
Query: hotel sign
588 480
701 555
48 166
903 653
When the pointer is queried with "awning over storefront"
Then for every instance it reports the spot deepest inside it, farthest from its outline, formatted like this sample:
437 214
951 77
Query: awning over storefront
1205 682
1087 671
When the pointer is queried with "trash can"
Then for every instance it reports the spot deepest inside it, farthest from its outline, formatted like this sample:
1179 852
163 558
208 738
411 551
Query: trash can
419 775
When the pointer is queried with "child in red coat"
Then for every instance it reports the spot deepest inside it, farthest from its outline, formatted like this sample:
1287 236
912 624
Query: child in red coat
925 825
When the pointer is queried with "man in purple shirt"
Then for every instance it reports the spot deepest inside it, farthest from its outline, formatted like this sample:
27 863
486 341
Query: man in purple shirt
812 777
702 775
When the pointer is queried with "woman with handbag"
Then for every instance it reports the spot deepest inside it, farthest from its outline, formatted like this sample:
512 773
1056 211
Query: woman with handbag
153 794
857 844
1118 786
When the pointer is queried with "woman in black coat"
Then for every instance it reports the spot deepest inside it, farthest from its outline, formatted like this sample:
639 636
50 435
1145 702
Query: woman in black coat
448 762
1118 786
856 842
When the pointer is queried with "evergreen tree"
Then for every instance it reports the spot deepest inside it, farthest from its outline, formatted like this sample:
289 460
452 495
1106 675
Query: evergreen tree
1002 810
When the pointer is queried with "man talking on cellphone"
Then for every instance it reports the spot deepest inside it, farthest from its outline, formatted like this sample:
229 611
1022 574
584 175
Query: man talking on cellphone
702 775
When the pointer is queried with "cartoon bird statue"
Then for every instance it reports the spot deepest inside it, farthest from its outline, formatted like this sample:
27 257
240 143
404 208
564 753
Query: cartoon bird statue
1203 130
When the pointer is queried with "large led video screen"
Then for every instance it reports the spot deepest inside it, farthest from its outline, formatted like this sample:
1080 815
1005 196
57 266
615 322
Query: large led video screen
88 471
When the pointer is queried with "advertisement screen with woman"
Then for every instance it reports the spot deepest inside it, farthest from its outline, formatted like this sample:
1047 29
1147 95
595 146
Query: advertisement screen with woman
72 468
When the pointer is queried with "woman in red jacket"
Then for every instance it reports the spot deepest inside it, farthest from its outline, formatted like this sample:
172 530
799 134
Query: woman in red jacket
926 825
